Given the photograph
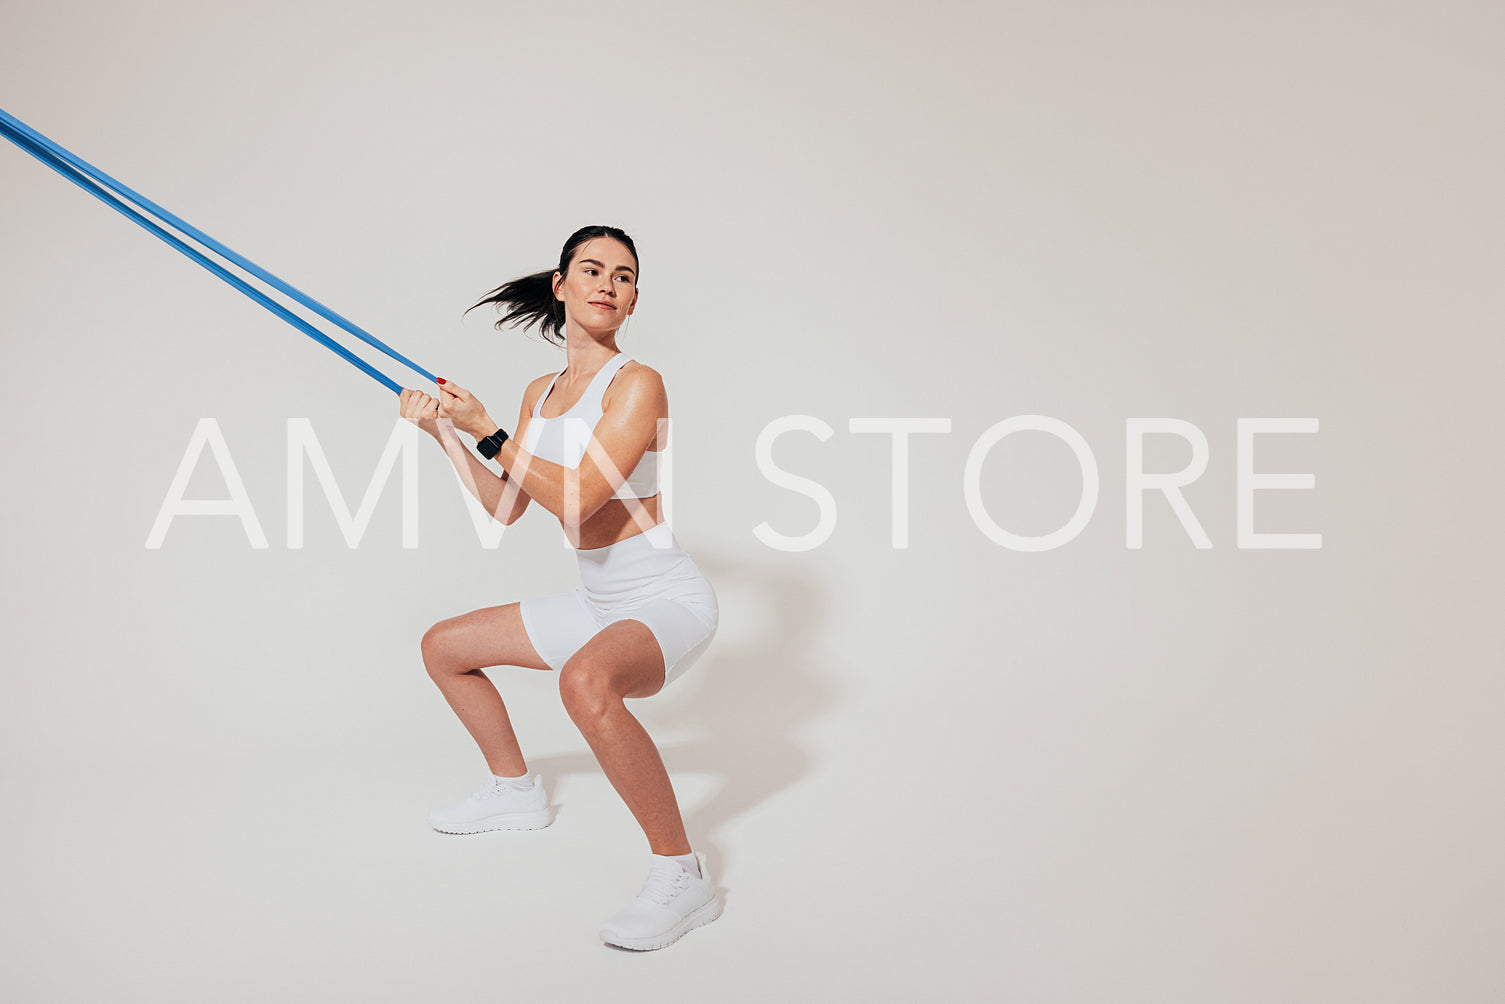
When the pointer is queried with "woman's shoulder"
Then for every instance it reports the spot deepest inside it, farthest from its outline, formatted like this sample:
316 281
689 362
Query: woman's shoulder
636 380
535 389
537 384
632 369
641 375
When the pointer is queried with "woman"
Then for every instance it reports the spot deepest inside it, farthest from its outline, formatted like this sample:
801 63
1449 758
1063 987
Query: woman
645 612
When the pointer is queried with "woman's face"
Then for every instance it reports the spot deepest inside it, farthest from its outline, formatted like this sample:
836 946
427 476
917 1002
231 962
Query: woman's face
601 288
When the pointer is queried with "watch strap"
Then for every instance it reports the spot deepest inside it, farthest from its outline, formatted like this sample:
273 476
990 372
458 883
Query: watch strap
492 444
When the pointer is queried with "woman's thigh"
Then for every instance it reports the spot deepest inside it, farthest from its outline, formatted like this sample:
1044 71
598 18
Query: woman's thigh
622 659
491 636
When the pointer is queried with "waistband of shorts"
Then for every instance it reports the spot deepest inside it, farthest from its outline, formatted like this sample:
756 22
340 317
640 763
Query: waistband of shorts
643 561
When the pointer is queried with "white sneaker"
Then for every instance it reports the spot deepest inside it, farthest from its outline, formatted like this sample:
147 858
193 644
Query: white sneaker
671 902
496 805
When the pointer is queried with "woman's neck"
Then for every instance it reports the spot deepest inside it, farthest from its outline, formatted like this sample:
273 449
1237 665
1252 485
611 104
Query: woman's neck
584 354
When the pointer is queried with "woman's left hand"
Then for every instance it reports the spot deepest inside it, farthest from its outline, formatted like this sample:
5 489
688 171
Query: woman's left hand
462 409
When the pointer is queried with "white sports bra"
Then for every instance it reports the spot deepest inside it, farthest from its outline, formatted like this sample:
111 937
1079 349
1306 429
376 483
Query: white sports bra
563 440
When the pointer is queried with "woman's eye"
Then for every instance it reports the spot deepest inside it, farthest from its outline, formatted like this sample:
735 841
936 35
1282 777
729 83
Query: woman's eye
590 271
625 278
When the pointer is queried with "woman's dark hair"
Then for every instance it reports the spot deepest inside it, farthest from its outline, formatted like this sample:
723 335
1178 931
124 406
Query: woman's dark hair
529 300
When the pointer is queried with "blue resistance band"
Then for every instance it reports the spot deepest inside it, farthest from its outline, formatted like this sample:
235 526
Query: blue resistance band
99 184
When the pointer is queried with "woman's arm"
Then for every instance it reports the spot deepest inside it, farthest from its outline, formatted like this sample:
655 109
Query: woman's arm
509 491
628 426
501 496
482 483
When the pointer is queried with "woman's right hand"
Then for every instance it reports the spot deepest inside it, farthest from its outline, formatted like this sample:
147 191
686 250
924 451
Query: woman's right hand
421 410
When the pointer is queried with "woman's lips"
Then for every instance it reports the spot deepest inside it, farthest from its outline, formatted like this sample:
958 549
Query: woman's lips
598 303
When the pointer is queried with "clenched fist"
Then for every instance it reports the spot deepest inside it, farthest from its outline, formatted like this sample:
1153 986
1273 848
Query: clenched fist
421 410
461 407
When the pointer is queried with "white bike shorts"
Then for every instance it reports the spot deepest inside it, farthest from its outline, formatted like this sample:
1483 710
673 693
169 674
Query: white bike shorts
647 577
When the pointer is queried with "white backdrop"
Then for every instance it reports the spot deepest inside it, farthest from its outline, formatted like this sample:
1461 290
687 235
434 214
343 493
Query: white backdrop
949 771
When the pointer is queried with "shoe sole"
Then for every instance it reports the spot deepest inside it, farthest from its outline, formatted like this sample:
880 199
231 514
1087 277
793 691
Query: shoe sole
510 821
702 916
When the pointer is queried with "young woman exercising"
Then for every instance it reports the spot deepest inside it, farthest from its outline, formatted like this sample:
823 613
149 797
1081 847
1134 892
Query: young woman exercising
645 611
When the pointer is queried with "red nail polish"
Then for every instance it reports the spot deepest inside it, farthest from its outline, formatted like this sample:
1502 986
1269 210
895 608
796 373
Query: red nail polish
440 379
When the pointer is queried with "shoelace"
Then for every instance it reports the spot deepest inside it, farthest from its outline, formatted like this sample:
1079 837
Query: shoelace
663 884
494 787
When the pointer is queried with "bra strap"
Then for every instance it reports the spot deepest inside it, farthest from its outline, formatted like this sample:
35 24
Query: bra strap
538 405
608 371
597 390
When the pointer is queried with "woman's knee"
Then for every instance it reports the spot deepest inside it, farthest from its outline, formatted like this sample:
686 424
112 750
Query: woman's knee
586 688
437 647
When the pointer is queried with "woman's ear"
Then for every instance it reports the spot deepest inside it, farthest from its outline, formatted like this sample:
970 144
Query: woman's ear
557 280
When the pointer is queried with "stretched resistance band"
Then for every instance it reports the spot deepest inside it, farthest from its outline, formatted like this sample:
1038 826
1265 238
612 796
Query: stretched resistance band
101 186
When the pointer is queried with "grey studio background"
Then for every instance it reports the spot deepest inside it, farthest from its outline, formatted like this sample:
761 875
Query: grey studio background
950 771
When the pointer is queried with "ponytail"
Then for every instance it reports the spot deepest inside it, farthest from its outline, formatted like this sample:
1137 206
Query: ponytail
529 300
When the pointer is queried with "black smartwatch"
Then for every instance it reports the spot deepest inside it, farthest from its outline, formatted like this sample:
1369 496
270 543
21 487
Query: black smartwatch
489 446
